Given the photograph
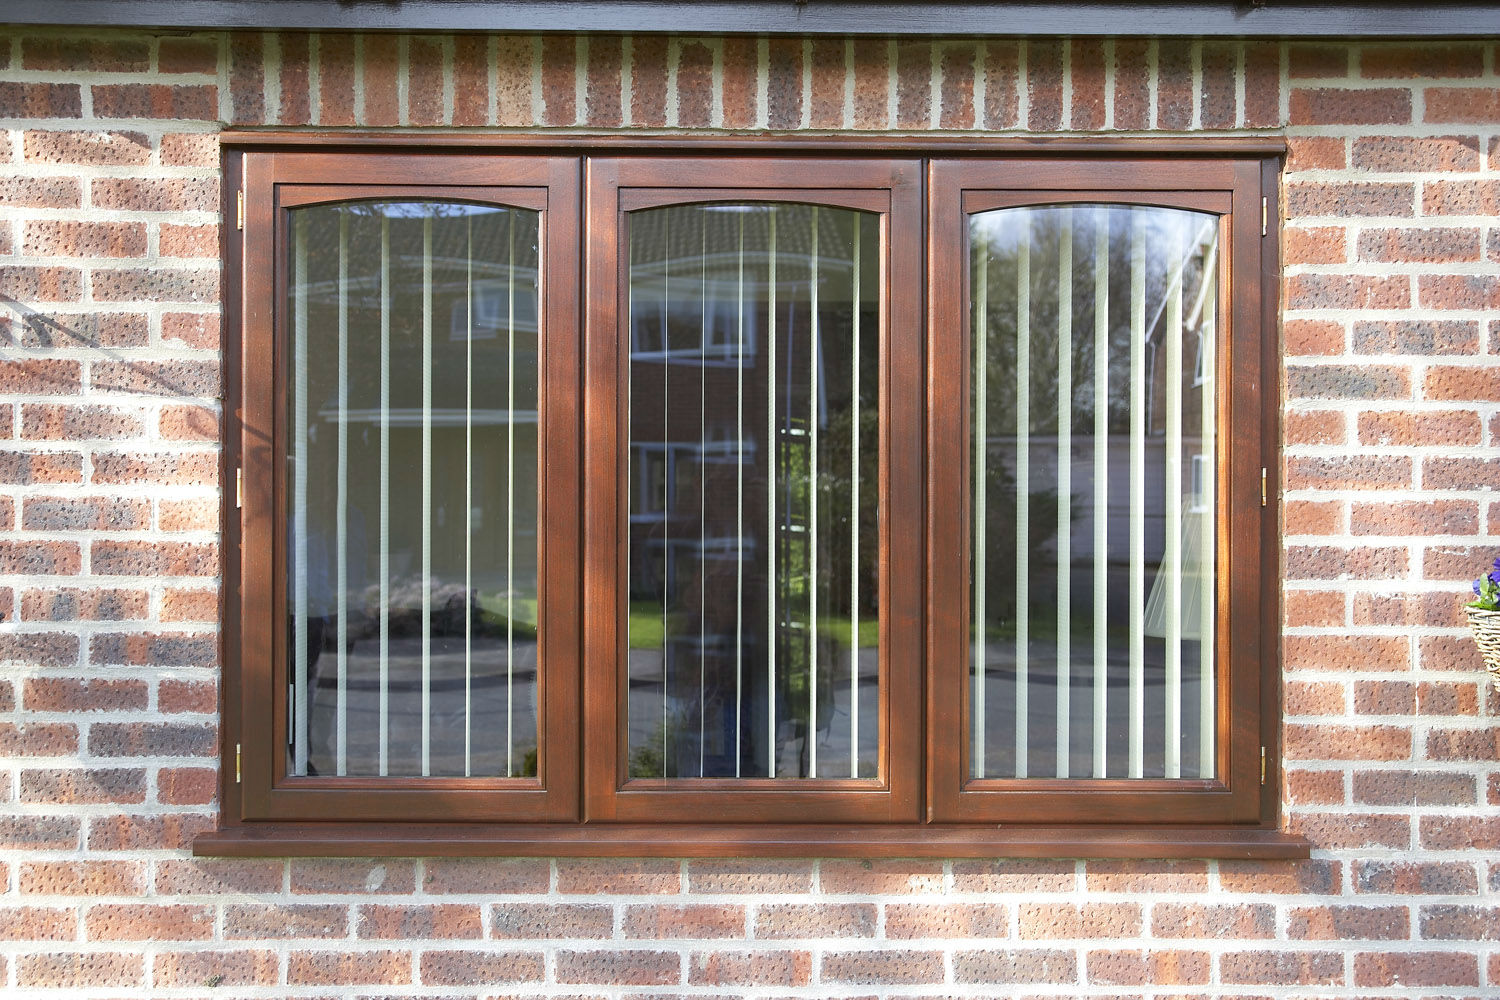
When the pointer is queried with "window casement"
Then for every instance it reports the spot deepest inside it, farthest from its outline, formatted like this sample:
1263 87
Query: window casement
763 496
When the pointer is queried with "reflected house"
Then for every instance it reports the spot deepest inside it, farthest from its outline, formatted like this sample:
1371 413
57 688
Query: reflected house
457 383
708 421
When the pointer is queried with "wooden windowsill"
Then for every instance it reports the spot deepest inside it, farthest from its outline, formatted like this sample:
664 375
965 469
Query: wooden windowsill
723 841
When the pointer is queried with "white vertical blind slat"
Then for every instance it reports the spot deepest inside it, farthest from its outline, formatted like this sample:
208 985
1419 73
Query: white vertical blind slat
426 495
812 501
1137 497
300 694
1101 490
1064 491
1171 563
981 284
772 452
1023 494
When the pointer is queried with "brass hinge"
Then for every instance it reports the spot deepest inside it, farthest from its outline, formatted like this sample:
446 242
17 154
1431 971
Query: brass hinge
239 487
1262 765
239 209
1263 486
1265 215
236 763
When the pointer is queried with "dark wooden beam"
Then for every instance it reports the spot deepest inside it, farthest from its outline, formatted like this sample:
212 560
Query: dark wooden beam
1233 18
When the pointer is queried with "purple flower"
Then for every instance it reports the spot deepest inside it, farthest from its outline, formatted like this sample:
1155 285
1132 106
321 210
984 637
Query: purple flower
1497 562
1476 586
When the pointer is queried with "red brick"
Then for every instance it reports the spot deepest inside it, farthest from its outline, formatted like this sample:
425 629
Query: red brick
33 467
42 284
348 875
1463 744
148 922
241 967
38 923
532 921
1048 921
190 149
191 329
1459 473
1328 562
1309 60
80 970
189 241
814 920
1146 876
880 876
750 968
188 515
88 422
247 85
38 739
1442 652
335 968
91 148
1313 608
285 921
683 921
216 877
471 80
1447 697
155 194
83 694
1385 697
1413 968
184 605
1421 61
1321 245
1308 517
606 59
1314 698
886 967
1313 152
110 558
187 55
1460 833
529 875
424 91
40 100
1015 965
1342 831
405 922
1338 106
39 649
648 81
40 192
1216 98
1348 291
152 739
172 468
1313 427
1470 105
154 100
1141 968
157 284
1362 200
514 80
695 84
783 82
559 72
1262 84
1225 921
1422 246
39 833
1174 83
1398 428
174 697
958 63
169 649
1460 923
1002 76
749 875
1417 517
1413 788
83 786
1411 154
615 967
186 786
1422 336
1454 382
381 71
1320 788
82 878
1425 878
336 70
946 920
75 52
85 514
1326 742
1007 875
1460 197
1278 968
1458 291
1045 65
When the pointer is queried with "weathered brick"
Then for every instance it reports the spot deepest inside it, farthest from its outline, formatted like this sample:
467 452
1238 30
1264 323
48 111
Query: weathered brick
1410 154
1469 105
80 970
528 875
240 967
38 739
1411 968
1012 875
340 968
82 878
85 514
1226 921
149 922
1343 831
602 83
349 875
880 876
887 966
186 786
1410 428
187 55
814 920
1413 788
629 877
152 739
1049 921
1426 878
749 875
40 100
1148 968
1460 923
683 921
83 786
145 468
1319 876
1282 968
946 920
285 921
111 558
615 967
38 923
1339 106
155 194
444 920
750 968
1004 966
1327 562
1416 517
31 467
214 877
1325 742
141 100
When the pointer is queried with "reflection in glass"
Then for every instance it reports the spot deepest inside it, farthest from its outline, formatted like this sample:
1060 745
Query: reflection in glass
412 462
754 393
1092 588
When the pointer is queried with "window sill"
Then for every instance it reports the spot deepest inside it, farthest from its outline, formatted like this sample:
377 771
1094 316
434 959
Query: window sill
722 841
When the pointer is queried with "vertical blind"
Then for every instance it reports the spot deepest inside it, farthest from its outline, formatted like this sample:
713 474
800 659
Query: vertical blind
412 500
753 446
1092 468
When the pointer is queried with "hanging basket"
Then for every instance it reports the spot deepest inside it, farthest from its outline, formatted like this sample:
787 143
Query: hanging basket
1486 627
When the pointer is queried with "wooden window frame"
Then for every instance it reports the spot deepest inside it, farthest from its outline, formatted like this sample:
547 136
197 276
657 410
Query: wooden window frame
581 803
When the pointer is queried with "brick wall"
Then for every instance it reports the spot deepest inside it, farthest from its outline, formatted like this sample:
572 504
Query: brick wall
109 386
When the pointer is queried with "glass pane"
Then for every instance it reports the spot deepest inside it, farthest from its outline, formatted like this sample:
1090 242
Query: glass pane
754 393
412 499
1092 566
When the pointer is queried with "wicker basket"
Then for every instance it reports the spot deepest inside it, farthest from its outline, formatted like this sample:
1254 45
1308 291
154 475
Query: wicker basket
1486 627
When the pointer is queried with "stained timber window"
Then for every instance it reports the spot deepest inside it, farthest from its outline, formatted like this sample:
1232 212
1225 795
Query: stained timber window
679 500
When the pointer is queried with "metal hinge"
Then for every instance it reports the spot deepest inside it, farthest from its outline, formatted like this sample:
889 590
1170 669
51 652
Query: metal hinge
236 763
1265 214
239 209
239 487
1262 765
1262 486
